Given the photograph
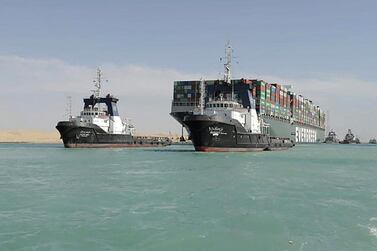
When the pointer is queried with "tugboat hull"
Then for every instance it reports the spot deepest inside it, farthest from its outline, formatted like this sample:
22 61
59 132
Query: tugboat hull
211 134
85 135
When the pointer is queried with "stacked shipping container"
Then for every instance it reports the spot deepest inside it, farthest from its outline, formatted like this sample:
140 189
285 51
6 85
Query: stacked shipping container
260 94
275 100
186 93
270 99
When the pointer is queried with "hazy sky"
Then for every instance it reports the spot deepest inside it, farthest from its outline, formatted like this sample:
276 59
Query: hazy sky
50 49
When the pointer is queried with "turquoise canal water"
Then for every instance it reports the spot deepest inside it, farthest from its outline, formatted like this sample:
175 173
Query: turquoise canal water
313 197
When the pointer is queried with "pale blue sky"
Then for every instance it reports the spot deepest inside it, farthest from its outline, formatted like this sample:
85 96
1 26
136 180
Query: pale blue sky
286 38
326 49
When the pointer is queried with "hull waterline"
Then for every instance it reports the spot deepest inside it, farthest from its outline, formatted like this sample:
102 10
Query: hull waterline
84 135
216 135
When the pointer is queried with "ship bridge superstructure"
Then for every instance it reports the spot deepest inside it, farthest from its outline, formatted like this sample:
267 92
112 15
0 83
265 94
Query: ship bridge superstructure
223 104
230 110
103 111
94 103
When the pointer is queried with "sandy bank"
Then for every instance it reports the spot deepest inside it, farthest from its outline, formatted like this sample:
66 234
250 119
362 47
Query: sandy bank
34 136
29 136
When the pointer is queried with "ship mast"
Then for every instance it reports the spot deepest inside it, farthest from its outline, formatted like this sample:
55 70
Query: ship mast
97 83
228 65
202 93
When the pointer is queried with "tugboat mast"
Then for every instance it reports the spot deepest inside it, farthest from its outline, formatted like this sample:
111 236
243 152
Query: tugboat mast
97 84
202 96
228 64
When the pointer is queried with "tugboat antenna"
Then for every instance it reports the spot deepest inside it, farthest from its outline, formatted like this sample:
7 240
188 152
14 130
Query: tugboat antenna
202 93
97 83
228 63
228 66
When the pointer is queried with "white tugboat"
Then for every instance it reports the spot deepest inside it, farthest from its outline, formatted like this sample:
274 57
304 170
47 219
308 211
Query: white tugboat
224 124
99 125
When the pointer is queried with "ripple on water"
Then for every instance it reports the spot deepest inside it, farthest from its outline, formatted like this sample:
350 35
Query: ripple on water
372 228
55 199
373 231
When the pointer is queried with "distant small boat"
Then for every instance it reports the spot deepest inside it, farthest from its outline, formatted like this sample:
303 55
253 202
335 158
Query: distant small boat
350 138
331 138
373 141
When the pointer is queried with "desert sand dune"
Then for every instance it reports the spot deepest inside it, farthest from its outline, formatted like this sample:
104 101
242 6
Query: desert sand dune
29 136
35 136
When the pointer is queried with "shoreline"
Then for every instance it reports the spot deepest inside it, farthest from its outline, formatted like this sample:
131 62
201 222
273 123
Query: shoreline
27 143
53 137
28 136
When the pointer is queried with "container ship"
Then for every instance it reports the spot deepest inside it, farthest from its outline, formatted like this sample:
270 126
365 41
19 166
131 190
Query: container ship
99 125
282 112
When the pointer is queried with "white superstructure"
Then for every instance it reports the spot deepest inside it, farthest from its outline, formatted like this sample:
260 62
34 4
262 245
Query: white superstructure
229 109
103 112
233 110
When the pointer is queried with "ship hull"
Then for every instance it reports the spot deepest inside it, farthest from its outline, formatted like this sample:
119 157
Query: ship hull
85 135
348 142
331 142
211 134
299 133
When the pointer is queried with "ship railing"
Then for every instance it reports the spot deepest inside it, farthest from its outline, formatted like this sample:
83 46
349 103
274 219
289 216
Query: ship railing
158 138
175 103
